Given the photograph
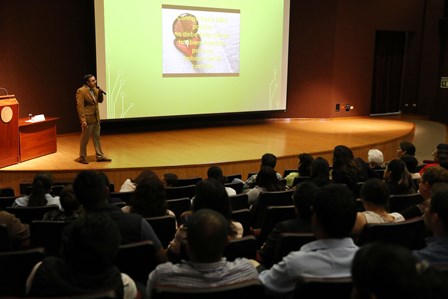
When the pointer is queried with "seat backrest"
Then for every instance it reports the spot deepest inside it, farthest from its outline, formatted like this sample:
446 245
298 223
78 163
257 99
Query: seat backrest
28 214
7 191
179 192
286 172
6 201
56 189
164 227
188 181
323 287
124 196
237 186
247 289
266 199
178 206
137 260
274 215
239 201
300 179
233 176
15 267
242 247
242 216
398 203
288 242
410 233
5 242
47 234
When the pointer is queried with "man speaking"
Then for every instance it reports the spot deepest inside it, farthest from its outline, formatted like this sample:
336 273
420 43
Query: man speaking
87 98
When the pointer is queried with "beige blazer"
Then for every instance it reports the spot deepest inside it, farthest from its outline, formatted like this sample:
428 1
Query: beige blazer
87 106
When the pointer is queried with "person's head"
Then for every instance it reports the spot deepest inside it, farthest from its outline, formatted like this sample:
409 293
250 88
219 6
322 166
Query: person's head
376 192
68 200
342 156
395 171
149 198
170 179
384 271
269 159
90 244
207 235
211 194
430 176
436 214
303 198
90 189
375 158
320 168
267 178
142 175
334 211
42 183
411 162
90 80
305 161
106 182
215 172
406 148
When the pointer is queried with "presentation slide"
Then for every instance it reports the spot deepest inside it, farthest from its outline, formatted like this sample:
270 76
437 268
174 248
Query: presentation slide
186 57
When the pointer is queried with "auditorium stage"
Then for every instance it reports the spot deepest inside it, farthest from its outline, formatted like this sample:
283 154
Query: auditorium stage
237 148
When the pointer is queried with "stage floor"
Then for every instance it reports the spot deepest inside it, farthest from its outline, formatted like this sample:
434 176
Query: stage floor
237 149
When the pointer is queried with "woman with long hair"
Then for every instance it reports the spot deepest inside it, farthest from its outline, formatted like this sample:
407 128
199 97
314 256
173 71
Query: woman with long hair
40 193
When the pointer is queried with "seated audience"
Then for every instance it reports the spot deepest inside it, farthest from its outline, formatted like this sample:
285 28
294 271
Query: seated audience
406 148
207 237
436 220
210 194
170 179
71 207
303 197
215 172
411 164
440 155
90 189
113 200
40 194
320 172
90 245
266 181
375 199
267 159
18 232
130 184
346 169
331 255
375 160
398 179
304 169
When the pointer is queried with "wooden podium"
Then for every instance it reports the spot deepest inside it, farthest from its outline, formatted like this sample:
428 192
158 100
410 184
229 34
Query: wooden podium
9 130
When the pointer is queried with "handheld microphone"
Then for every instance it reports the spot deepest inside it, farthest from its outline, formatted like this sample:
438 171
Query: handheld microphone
102 91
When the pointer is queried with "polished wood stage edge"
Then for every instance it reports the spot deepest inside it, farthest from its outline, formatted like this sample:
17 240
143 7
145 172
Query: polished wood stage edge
237 149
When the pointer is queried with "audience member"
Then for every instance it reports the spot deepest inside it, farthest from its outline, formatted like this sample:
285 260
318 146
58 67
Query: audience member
207 237
90 245
346 169
170 179
266 181
440 155
149 198
436 220
215 172
388 271
90 190
406 148
18 232
210 194
113 200
40 194
430 176
411 164
71 207
375 160
320 172
331 255
267 159
375 199
130 184
304 169
398 179
303 197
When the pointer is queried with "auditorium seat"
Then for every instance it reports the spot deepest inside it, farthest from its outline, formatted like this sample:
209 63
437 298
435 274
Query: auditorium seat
123 196
137 260
242 247
47 234
6 201
178 206
165 228
237 186
233 176
242 216
286 172
179 192
274 215
398 203
288 242
7 191
188 181
28 214
323 287
5 243
300 179
266 199
239 201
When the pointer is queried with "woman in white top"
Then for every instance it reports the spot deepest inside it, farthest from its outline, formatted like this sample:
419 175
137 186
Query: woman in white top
375 197
40 194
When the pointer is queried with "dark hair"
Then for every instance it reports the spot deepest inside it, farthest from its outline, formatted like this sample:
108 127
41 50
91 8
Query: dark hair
320 171
87 77
408 148
170 179
435 174
305 164
439 201
211 194
267 178
399 177
68 200
143 174
42 183
411 162
334 206
89 188
303 198
207 235
215 172
375 191
149 198
269 159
